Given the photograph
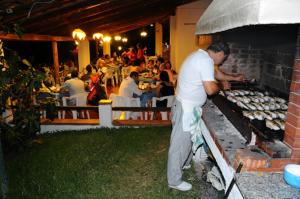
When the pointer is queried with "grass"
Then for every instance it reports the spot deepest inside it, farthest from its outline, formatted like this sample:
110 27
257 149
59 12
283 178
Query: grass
103 163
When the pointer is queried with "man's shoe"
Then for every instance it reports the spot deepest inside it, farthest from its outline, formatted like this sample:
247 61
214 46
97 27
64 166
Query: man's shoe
186 167
184 186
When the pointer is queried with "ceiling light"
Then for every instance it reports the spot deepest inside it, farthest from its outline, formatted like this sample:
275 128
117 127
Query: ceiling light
119 48
97 36
78 34
124 39
106 38
143 33
118 38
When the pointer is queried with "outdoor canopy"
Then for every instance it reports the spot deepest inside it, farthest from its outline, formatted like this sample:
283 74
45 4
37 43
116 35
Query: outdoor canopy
223 15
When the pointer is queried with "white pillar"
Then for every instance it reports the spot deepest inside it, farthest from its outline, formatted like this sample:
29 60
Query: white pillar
158 39
105 113
83 54
186 18
106 48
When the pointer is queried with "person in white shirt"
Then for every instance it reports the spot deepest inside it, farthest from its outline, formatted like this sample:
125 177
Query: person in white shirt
196 80
129 88
72 86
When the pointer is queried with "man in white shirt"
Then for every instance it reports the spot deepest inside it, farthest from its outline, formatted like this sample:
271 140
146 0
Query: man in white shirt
129 88
196 80
72 86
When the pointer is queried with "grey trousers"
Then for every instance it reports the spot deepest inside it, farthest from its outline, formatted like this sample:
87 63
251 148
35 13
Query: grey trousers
180 151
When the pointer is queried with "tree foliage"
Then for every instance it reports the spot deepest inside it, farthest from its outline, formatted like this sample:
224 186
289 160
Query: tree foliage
19 81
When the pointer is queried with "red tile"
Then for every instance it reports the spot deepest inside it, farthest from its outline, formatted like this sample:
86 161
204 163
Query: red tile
297 64
296 153
292 142
281 162
292 131
294 108
293 119
296 75
294 97
295 86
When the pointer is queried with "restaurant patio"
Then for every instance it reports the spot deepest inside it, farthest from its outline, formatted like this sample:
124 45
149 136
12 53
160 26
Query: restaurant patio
91 117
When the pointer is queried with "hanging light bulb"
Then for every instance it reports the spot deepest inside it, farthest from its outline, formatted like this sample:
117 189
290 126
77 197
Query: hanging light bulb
144 34
118 38
78 34
106 38
119 48
124 39
97 36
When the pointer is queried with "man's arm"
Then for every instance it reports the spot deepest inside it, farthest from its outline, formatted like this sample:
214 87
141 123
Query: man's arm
211 87
219 75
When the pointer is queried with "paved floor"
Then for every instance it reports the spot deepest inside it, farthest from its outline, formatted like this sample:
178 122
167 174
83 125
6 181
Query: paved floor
207 190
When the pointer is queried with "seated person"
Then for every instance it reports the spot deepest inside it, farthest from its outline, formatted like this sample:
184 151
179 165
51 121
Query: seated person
72 86
129 88
86 77
150 64
97 92
165 88
168 68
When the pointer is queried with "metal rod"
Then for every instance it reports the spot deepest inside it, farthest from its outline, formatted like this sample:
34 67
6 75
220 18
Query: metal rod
238 170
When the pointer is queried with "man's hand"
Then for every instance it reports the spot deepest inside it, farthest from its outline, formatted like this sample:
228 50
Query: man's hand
226 85
211 87
240 77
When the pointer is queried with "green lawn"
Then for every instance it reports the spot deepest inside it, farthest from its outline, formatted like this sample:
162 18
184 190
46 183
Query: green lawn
118 163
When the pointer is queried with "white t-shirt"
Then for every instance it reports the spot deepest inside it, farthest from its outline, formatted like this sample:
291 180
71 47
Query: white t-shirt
128 87
74 85
196 68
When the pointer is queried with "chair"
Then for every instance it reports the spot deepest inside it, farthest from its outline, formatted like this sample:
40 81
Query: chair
80 100
121 101
170 100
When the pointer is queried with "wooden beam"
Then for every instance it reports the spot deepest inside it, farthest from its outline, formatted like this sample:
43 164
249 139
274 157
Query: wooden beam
88 16
55 61
34 37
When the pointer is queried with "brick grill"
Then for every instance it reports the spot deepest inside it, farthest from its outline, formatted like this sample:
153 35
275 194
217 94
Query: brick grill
276 70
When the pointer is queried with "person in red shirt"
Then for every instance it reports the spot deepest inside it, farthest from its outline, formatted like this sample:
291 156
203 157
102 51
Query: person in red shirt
131 54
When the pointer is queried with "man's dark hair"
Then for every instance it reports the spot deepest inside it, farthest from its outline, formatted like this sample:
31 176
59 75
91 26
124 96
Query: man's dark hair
88 68
134 74
218 47
74 73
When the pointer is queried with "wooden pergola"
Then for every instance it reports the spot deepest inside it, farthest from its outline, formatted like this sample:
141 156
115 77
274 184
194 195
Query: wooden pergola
54 20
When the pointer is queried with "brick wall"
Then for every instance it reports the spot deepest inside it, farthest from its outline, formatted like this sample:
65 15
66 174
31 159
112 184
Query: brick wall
277 69
271 67
292 130
265 53
243 59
